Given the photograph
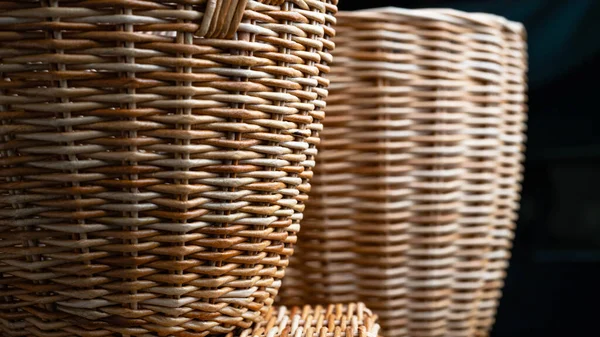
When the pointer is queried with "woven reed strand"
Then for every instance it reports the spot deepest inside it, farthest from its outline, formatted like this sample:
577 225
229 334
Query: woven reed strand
419 99
152 185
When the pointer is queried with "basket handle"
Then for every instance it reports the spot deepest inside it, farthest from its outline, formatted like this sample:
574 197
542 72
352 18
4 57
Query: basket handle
222 17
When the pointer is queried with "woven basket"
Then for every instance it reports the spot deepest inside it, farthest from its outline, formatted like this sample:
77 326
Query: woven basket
155 160
427 113
336 320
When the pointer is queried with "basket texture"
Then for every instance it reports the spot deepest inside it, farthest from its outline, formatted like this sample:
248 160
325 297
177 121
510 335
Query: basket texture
155 161
336 320
324 271
427 113
509 171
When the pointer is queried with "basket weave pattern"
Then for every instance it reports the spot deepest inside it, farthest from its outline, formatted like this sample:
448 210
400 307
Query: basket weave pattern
509 171
152 185
336 320
428 111
327 246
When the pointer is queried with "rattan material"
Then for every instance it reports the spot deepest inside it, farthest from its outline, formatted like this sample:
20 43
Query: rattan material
325 269
421 147
334 320
510 171
484 68
153 185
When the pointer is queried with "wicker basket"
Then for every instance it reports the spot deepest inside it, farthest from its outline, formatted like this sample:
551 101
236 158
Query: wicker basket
152 185
337 320
427 111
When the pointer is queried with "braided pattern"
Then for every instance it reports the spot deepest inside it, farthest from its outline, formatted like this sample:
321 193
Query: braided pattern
426 131
336 320
152 184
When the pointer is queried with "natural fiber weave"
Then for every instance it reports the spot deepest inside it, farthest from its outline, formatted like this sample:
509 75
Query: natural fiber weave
325 269
483 67
153 183
419 100
334 320
510 171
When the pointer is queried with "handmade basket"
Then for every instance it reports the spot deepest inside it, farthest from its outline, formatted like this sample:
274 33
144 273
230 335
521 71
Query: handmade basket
155 160
337 320
428 111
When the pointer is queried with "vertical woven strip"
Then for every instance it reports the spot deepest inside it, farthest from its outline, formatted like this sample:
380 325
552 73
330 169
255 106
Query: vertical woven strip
438 169
324 267
380 138
312 132
510 170
484 69
420 118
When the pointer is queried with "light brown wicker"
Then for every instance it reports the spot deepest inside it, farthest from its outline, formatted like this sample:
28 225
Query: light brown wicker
152 185
325 269
418 99
510 170
335 320
484 68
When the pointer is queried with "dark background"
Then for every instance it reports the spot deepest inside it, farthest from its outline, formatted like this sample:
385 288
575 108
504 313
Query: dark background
553 282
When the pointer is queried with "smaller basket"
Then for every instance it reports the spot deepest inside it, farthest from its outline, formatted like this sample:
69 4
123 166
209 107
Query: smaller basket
336 320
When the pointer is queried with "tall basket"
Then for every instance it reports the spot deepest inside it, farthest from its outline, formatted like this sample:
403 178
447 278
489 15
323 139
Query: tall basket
155 160
427 115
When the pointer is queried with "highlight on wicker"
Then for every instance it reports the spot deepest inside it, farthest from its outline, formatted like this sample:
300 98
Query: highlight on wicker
422 158
153 184
336 320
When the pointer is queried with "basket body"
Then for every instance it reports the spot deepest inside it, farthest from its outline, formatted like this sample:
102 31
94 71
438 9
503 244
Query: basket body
152 184
422 158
